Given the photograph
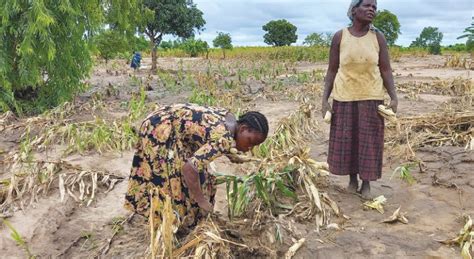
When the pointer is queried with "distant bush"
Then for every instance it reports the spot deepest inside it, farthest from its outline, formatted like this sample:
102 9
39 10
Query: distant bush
171 44
195 47
109 44
456 47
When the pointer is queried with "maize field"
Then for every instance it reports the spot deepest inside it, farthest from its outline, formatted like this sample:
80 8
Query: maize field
63 173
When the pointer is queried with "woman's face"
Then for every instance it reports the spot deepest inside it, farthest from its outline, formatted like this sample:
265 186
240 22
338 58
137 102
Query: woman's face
246 138
366 11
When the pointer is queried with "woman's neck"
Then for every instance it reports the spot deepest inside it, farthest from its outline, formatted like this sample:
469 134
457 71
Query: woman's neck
360 28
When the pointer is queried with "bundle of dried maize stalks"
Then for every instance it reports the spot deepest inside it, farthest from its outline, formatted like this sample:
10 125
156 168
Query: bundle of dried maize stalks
207 241
457 61
458 86
33 178
456 129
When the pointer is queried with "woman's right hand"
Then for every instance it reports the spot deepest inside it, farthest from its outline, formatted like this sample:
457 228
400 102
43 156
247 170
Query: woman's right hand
325 107
205 205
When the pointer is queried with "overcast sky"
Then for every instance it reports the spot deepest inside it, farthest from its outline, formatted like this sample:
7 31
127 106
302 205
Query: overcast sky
244 19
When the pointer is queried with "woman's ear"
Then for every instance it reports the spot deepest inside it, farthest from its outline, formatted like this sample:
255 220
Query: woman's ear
242 128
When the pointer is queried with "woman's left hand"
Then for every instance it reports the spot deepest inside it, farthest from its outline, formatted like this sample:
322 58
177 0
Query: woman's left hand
393 105
239 159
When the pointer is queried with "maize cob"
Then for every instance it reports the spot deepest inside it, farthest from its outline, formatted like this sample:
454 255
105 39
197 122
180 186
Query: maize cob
387 113
327 117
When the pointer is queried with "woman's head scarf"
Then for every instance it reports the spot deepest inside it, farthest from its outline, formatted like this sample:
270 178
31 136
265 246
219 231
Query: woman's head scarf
353 4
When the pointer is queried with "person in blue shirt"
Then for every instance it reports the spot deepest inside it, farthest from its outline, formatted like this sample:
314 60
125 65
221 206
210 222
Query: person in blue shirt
136 59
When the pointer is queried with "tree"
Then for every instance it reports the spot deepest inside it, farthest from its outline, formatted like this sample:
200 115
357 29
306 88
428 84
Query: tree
469 34
389 25
195 47
110 43
279 33
45 48
429 38
178 18
318 39
139 43
223 41
171 44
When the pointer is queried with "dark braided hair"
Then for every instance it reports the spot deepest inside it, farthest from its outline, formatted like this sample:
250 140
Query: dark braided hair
256 121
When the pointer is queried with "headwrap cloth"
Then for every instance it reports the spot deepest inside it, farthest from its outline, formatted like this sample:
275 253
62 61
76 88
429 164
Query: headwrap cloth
353 4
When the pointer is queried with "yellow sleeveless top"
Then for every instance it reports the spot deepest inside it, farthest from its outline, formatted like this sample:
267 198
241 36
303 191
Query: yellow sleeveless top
358 77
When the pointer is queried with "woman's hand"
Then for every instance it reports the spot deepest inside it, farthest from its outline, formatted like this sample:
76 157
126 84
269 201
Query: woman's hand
239 159
205 205
394 105
325 107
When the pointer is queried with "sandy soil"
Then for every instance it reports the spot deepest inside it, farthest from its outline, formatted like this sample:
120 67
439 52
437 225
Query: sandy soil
434 205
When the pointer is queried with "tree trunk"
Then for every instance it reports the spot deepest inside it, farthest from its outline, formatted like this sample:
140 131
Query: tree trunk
153 58
223 51
154 42
153 52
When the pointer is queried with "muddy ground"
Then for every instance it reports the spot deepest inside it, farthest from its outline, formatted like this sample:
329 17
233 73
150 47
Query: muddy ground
434 210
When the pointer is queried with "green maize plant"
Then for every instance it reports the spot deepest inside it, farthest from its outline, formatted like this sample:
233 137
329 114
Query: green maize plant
19 239
266 186
404 173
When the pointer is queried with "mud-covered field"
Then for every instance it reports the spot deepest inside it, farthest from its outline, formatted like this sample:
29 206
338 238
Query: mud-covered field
59 214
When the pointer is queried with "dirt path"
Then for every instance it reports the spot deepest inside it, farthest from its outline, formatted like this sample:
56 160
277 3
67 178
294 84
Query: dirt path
434 204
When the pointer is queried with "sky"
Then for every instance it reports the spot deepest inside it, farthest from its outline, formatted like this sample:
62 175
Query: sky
244 19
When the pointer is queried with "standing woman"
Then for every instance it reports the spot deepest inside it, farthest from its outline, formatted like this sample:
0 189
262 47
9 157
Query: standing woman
176 145
359 71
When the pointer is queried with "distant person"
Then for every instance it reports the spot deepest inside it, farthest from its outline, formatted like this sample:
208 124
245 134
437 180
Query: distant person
136 60
359 71
176 144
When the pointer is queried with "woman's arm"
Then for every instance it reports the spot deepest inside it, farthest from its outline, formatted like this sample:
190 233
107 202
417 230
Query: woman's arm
386 71
333 67
191 178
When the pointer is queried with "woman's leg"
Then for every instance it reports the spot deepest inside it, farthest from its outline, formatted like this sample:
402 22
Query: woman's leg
343 152
353 183
371 143
365 190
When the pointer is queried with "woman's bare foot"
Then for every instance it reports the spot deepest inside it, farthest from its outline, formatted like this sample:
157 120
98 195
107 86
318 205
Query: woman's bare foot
353 184
365 190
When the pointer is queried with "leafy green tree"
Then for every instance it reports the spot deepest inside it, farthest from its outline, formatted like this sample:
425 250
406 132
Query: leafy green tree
279 33
110 43
171 17
429 38
469 34
388 23
171 44
318 39
195 47
139 43
45 48
223 41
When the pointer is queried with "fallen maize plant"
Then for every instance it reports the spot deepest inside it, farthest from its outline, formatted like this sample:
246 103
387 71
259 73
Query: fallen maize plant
455 129
464 239
34 178
377 203
397 216
284 170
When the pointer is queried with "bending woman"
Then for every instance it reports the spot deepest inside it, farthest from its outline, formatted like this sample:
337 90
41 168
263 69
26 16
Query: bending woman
176 145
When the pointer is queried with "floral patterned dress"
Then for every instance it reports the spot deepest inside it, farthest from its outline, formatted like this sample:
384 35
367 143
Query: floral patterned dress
169 137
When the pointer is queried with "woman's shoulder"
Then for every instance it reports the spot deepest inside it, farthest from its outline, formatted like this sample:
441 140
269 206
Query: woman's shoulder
340 32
